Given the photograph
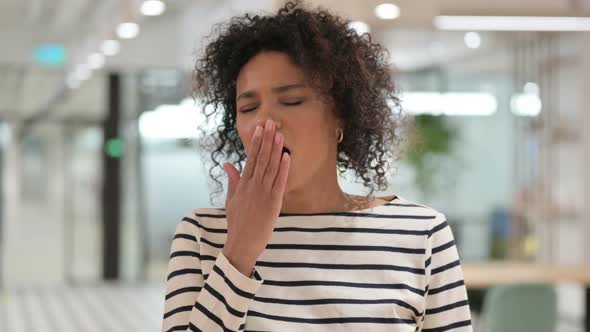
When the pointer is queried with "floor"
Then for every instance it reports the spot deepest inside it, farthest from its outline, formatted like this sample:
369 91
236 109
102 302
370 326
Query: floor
91 308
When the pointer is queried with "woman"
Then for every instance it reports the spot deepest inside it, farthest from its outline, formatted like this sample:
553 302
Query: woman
302 95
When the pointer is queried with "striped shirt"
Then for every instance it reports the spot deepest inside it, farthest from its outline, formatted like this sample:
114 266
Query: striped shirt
393 267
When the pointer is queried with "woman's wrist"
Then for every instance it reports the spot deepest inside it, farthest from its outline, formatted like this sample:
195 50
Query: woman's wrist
240 262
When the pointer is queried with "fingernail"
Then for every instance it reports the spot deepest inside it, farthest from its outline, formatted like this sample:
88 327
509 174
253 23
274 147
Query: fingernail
258 130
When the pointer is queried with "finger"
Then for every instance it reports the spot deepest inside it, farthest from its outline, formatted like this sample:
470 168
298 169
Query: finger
264 154
233 178
281 180
275 159
253 153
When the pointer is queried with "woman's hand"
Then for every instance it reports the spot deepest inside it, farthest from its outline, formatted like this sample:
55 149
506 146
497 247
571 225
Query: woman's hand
254 199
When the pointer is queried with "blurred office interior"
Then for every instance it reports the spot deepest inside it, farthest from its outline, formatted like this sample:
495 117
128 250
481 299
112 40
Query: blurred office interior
99 158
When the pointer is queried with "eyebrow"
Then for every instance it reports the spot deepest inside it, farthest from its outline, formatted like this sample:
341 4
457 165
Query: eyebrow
278 89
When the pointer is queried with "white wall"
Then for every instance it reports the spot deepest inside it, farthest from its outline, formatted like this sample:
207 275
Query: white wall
33 217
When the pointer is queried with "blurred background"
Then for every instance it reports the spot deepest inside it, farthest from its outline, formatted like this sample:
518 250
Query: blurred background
99 159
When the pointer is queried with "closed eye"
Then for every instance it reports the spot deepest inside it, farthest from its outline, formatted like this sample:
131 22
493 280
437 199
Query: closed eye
293 103
247 110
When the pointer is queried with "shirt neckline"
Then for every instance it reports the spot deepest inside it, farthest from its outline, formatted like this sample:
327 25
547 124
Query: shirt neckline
389 199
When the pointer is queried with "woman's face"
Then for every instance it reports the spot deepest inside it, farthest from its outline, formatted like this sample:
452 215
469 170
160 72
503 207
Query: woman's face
270 86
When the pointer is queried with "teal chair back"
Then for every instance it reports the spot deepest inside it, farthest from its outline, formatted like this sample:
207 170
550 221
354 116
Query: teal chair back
520 308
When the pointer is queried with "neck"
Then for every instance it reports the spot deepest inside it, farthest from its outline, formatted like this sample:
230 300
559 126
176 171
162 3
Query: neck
321 193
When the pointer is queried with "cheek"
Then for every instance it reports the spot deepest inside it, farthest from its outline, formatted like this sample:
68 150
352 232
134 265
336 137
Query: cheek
245 132
314 143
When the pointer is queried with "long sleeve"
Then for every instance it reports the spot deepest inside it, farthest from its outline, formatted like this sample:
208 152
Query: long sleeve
193 303
446 303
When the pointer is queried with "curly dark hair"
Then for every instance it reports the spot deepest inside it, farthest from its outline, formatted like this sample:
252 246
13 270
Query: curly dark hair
352 70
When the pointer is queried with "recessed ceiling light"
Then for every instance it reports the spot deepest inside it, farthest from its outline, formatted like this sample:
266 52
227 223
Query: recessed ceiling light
96 60
82 72
359 27
472 40
110 47
387 11
531 88
127 30
152 7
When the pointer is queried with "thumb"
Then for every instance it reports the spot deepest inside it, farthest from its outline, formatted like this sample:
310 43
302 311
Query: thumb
233 179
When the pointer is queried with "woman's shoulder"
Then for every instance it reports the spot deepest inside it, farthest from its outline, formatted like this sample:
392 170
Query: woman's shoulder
198 218
415 207
208 212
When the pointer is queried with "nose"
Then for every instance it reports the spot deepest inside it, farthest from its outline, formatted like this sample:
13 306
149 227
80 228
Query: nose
266 111
264 121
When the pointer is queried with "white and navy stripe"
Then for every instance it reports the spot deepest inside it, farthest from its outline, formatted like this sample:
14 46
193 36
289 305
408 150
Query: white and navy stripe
390 268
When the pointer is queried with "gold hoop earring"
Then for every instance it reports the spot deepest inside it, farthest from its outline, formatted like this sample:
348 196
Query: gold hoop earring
341 136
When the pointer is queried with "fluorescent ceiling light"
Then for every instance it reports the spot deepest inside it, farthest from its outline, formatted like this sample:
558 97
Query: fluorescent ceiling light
152 7
127 30
526 104
179 121
359 27
451 103
169 122
110 47
512 23
387 11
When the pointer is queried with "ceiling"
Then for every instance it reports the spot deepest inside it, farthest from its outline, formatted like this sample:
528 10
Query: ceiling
169 40
420 13
27 88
